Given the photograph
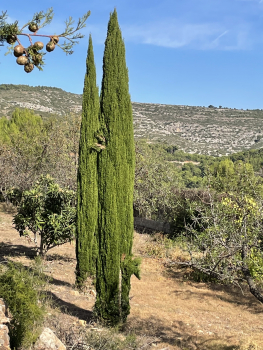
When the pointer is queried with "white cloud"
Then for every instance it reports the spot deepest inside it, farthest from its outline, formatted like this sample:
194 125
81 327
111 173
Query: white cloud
216 41
199 36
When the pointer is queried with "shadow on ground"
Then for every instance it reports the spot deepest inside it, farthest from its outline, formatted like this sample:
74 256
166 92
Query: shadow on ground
231 294
15 250
57 282
69 308
177 335
58 257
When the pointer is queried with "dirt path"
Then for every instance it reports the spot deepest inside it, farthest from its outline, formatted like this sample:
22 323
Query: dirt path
168 310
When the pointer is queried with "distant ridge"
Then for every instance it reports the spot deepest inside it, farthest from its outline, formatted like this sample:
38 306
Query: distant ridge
42 99
204 130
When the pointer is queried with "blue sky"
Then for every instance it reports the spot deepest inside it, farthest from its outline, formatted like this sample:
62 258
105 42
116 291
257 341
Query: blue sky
183 52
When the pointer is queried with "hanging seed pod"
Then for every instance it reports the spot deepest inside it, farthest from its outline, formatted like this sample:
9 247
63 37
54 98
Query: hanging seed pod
19 50
38 45
55 39
22 60
11 39
28 67
33 27
50 46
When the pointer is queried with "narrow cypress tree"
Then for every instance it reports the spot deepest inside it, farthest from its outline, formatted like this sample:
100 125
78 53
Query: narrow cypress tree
87 187
116 179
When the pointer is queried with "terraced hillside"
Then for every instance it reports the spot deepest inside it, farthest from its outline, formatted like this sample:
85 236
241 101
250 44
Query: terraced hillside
214 131
42 99
204 130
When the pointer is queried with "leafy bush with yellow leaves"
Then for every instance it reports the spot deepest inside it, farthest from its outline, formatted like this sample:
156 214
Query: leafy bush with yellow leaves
229 238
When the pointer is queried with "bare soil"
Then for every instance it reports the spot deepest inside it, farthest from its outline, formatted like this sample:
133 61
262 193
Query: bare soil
167 310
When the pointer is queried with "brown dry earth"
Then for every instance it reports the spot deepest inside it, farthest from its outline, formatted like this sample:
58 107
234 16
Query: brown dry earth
167 311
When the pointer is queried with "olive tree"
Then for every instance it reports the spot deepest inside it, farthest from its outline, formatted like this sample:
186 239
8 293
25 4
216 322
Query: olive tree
225 240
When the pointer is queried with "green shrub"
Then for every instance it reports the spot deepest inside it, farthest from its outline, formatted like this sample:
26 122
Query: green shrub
21 290
48 210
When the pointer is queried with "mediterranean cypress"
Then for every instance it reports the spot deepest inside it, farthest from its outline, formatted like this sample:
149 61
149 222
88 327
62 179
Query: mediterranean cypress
116 165
87 180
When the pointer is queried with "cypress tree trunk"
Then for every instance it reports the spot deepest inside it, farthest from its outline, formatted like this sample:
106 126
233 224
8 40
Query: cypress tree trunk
116 180
87 186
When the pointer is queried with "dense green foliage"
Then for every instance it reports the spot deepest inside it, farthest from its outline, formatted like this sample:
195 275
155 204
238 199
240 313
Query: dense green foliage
116 177
87 187
155 184
47 210
253 157
21 290
23 124
30 147
225 237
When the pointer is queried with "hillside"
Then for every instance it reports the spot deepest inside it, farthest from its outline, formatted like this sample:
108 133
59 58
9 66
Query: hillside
204 130
42 99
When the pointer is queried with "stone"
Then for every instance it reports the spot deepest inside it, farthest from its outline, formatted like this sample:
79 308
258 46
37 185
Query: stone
92 292
3 312
48 341
4 321
74 292
83 323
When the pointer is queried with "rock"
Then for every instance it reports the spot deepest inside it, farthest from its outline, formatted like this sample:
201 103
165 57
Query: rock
83 323
3 312
4 337
4 320
48 341
74 292
92 292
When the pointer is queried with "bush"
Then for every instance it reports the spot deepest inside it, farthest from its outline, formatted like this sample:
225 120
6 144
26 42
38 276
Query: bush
184 213
227 245
47 210
21 290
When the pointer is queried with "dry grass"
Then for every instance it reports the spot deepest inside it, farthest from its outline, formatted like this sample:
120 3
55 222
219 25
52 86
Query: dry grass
158 245
167 310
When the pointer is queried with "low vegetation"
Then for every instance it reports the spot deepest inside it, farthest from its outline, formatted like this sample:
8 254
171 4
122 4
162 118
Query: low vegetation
224 239
22 289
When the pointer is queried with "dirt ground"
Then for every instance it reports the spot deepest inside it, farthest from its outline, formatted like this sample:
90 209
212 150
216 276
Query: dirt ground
167 310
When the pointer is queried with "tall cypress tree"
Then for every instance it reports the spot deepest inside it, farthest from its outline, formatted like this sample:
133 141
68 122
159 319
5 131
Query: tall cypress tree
115 184
87 187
